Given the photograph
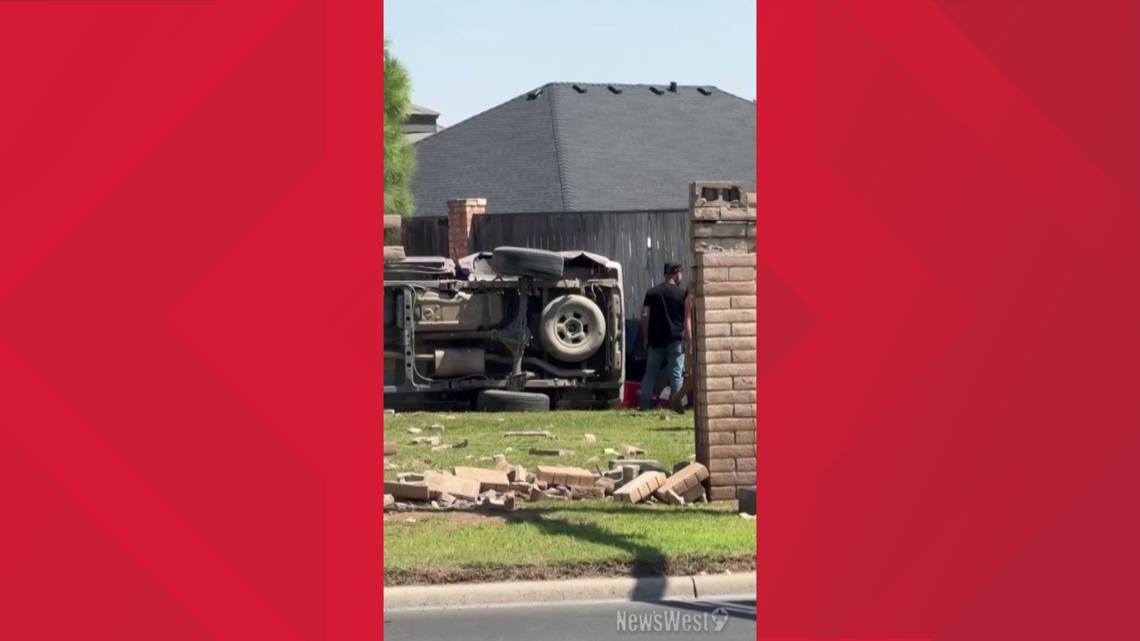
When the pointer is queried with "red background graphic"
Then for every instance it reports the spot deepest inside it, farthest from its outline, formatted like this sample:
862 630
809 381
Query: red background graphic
189 314
190 237
948 406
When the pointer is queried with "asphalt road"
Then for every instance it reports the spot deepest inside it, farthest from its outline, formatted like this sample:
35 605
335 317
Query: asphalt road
596 621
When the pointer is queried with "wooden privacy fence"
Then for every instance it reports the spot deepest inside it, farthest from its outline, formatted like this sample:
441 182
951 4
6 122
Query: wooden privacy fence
425 236
642 241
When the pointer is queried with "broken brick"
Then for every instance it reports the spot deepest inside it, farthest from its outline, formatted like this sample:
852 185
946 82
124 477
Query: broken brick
413 491
607 484
488 479
513 472
524 490
679 483
440 482
695 494
595 492
629 472
614 475
538 452
646 464
640 488
559 475
505 503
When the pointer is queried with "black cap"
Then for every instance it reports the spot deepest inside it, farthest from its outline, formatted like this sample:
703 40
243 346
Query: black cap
672 268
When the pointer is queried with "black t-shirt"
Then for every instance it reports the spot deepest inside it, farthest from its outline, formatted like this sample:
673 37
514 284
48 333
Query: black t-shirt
666 303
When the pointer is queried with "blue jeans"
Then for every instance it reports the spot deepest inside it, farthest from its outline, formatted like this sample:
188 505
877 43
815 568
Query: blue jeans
672 357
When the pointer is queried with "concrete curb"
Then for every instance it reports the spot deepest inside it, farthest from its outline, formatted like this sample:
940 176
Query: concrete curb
611 589
706 586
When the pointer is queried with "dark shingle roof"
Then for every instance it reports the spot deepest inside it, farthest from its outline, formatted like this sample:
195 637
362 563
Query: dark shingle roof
583 147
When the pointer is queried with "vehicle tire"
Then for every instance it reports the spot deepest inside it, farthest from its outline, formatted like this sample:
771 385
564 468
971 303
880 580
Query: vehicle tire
572 328
524 261
494 400
610 399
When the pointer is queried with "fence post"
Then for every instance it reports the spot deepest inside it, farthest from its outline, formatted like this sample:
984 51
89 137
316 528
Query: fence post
722 231
461 213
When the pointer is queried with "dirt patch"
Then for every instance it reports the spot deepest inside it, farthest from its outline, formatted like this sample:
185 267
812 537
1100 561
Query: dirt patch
456 517
473 518
643 568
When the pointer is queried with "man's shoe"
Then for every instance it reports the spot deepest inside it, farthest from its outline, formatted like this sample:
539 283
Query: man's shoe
677 403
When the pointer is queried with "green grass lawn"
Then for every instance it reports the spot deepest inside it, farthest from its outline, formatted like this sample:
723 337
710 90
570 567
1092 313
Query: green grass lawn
559 539
556 539
665 436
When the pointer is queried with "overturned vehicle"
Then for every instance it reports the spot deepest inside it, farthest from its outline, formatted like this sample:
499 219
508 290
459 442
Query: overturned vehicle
515 329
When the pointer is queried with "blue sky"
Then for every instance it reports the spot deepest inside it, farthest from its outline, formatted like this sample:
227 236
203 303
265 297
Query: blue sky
466 56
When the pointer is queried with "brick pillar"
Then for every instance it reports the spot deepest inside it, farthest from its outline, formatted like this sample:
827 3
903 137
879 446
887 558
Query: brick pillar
722 221
461 215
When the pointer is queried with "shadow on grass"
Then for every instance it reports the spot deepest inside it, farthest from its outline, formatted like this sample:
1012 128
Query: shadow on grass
647 562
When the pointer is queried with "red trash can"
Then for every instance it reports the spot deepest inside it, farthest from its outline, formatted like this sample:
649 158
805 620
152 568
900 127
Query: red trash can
630 394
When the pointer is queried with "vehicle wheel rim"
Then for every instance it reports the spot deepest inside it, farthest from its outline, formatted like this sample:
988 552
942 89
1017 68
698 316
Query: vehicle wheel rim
572 328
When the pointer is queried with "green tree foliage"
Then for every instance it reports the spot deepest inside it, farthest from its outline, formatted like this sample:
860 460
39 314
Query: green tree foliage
399 155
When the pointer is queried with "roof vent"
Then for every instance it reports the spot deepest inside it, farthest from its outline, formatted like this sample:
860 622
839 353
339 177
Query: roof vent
656 90
579 88
704 91
613 89
673 87
534 94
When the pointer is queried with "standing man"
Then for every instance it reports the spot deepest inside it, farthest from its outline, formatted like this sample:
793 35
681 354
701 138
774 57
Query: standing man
666 329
